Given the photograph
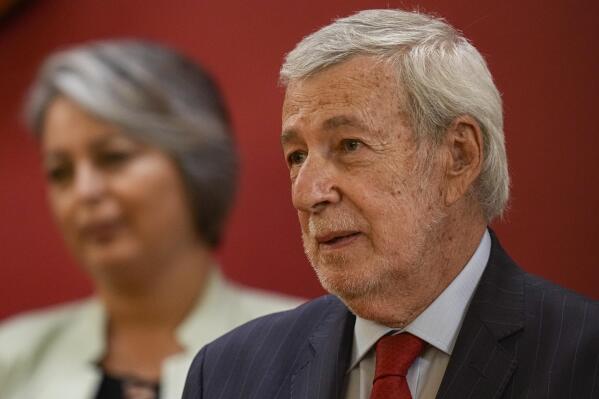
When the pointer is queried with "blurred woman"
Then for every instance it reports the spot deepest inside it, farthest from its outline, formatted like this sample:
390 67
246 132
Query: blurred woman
141 173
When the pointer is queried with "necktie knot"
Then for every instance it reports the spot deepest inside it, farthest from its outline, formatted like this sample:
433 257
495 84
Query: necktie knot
394 356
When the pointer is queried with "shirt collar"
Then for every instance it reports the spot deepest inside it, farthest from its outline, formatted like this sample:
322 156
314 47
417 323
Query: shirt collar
447 310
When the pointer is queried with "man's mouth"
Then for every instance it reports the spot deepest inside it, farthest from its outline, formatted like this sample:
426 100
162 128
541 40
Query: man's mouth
337 239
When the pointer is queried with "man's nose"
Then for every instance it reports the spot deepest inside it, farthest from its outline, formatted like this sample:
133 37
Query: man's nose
89 184
315 185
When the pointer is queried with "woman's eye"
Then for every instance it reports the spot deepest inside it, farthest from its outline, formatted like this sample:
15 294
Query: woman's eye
58 174
351 145
296 158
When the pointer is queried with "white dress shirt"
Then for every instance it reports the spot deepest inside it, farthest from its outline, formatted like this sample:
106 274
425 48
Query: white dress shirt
438 325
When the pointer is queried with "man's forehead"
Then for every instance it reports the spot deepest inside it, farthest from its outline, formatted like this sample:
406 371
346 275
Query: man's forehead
356 71
357 80
352 94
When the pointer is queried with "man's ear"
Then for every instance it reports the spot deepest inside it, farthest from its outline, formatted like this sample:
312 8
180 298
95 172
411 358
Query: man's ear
464 145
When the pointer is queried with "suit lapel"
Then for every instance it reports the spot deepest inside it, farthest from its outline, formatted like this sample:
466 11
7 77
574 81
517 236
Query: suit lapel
483 362
322 373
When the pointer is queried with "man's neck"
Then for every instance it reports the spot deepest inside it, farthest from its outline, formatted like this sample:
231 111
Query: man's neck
446 251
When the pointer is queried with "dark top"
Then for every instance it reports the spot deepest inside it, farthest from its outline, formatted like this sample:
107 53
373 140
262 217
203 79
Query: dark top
125 387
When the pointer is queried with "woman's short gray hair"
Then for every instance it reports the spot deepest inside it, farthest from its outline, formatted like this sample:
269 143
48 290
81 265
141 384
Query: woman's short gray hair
158 96
442 74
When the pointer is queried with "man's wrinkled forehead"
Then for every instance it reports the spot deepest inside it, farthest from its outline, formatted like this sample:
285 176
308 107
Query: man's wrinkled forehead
359 75
342 95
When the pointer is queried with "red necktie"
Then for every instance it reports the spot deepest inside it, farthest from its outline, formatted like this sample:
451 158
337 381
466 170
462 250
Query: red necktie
394 356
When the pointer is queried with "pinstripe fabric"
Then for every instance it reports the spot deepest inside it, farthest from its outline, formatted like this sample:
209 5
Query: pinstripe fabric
300 354
522 337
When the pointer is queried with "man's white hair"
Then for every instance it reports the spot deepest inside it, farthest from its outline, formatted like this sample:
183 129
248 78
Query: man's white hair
442 74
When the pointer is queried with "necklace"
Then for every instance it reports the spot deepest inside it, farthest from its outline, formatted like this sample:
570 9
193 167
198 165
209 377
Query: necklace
137 388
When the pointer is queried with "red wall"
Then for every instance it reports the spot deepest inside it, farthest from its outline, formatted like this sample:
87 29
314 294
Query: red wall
544 57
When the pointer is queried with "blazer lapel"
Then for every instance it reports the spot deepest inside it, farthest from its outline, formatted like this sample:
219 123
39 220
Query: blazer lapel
483 359
321 375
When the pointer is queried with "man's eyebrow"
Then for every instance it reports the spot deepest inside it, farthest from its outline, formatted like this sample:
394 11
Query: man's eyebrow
330 124
288 136
339 121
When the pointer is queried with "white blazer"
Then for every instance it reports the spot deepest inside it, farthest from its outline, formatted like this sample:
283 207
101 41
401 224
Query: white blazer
53 353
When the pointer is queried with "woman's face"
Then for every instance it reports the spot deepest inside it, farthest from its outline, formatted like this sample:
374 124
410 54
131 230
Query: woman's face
117 201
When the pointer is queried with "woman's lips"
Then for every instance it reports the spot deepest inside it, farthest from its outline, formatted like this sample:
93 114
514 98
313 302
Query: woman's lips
101 232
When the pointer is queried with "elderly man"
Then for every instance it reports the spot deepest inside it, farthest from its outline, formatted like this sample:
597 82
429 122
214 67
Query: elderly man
392 132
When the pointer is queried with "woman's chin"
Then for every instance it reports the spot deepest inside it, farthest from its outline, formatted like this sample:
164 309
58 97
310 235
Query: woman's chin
110 262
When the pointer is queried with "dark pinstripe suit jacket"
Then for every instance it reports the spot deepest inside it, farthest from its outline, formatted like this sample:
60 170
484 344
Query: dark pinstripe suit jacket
522 337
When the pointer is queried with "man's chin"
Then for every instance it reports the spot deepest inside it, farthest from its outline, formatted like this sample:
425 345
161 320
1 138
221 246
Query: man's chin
350 289
363 298
370 307
339 280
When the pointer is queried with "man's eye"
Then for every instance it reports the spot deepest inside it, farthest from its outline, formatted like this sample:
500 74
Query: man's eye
351 145
296 158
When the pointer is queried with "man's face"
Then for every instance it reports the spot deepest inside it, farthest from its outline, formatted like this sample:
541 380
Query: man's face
367 201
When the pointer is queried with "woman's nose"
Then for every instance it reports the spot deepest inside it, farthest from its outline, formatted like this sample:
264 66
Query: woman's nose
89 184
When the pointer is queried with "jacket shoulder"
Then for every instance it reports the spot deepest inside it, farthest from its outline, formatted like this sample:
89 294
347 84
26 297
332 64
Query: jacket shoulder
504 278
298 322
262 352
24 331
26 338
560 342
251 303
557 302
568 317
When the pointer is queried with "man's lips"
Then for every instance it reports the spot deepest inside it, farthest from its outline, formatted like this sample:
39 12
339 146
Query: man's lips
337 239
